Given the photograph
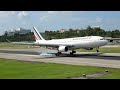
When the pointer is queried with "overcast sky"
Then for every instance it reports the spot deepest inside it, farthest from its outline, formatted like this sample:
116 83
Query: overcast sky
56 20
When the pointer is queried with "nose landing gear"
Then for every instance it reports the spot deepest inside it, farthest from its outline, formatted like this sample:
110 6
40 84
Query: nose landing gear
97 49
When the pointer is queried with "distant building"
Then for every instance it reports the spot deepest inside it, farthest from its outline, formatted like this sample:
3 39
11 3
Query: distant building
95 26
11 32
19 30
62 31
77 30
24 31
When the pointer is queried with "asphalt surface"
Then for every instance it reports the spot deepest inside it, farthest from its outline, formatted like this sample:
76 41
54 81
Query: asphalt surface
90 55
19 52
111 60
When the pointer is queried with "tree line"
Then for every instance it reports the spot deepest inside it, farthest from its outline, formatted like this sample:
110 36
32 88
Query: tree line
81 33
67 34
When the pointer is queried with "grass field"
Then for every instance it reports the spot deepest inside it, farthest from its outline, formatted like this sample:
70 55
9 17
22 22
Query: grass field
31 70
104 50
11 46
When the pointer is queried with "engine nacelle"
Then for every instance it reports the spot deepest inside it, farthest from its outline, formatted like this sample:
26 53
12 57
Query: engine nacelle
89 48
110 40
63 49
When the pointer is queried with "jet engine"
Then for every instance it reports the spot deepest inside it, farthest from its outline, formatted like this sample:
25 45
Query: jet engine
110 40
63 48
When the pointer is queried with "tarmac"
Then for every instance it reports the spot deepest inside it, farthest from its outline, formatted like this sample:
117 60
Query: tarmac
110 60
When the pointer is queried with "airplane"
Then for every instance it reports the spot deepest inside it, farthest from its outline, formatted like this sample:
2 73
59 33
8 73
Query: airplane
66 44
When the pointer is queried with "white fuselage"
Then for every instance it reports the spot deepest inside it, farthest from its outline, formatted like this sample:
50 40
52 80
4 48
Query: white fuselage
78 42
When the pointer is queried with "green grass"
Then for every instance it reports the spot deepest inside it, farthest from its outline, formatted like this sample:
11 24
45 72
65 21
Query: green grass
113 74
11 46
104 50
18 69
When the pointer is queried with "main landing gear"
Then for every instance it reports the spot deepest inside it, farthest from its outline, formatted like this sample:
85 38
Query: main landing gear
57 54
71 53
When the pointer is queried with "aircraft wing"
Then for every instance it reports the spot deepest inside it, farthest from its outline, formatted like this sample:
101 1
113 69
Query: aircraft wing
43 44
113 39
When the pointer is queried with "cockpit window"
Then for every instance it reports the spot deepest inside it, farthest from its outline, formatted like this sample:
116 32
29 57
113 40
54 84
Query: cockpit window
102 39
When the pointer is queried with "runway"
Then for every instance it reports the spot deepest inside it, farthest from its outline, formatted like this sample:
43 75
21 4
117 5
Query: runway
111 60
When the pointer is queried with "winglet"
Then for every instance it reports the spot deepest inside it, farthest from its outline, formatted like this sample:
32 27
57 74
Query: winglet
8 41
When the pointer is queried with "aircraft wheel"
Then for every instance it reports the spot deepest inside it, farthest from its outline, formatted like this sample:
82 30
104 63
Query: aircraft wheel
57 54
73 51
97 50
